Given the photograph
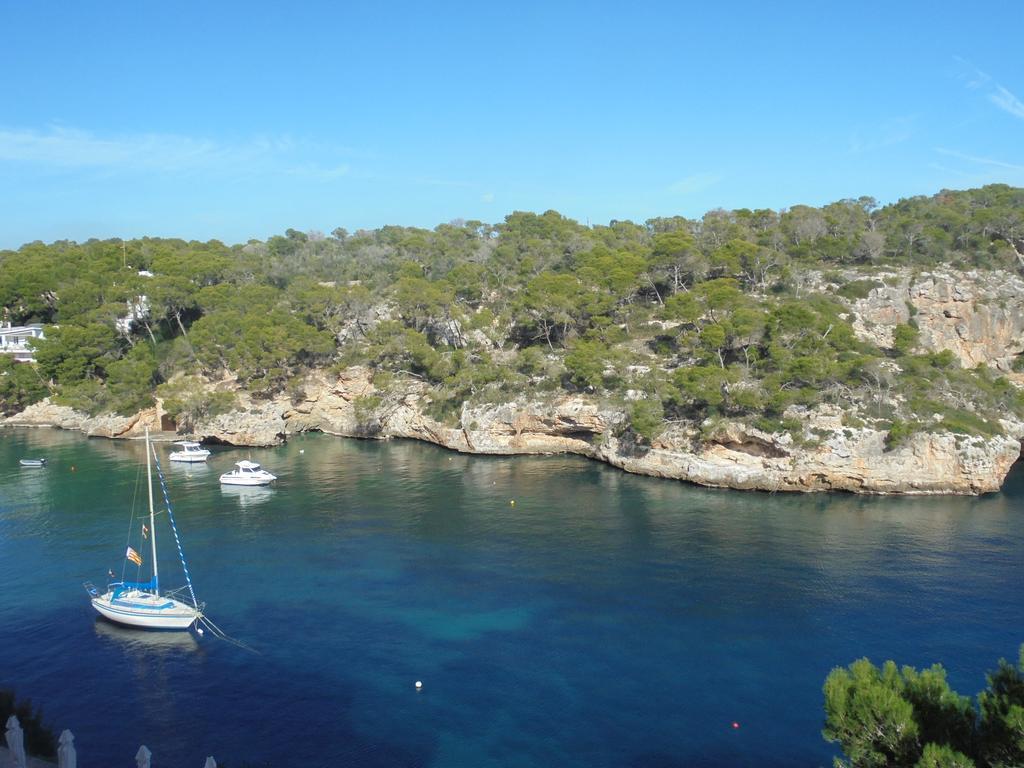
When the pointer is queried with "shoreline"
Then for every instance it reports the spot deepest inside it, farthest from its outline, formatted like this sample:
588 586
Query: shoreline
734 456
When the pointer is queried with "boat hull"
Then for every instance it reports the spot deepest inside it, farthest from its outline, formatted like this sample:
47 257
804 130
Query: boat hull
236 480
169 614
190 458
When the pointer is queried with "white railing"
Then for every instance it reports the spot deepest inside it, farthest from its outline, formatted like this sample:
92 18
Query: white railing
66 755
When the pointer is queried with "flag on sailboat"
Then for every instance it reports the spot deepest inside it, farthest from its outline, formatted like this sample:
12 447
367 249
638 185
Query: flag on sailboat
134 556
145 531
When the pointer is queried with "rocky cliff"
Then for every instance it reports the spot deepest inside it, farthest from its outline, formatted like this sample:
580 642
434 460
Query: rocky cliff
979 317
730 455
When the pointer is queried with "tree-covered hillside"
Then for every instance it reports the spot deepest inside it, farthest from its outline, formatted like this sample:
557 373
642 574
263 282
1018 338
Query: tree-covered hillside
740 314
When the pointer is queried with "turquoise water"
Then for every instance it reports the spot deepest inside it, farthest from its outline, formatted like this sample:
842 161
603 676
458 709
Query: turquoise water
603 619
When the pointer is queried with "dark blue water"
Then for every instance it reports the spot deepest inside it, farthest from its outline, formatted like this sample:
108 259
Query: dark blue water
603 619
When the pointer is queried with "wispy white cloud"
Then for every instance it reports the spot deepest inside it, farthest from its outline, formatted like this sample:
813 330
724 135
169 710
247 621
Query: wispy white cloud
696 182
977 80
895 130
970 75
978 160
62 148
487 197
311 171
1007 102
434 182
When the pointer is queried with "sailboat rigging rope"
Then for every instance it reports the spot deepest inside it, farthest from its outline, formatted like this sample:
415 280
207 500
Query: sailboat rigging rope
174 528
222 635
131 519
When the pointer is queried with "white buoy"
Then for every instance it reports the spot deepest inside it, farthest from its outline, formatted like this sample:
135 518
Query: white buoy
302 450
419 685
199 630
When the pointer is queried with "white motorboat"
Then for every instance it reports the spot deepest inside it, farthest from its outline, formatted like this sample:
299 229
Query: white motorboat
138 603
190 452
33 462
247 473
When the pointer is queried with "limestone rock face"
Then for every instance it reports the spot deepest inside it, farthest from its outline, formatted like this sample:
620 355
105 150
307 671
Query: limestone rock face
978 316
329 405
728 455
979 319
47 414
733 455
876 317
259 424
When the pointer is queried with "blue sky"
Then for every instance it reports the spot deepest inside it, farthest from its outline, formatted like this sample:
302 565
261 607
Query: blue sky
239 120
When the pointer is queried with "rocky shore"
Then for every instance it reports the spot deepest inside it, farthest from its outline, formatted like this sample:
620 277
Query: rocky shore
978 317
733 455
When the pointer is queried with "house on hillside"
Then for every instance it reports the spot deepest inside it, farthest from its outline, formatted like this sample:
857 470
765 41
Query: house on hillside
138 310
14 340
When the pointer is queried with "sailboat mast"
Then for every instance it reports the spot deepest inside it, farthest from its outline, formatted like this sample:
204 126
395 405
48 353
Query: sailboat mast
152 525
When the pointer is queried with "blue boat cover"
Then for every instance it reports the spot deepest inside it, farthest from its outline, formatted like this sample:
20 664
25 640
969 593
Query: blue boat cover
125 586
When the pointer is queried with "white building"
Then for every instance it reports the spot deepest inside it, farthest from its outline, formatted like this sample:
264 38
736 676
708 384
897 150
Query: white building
138 310
14 340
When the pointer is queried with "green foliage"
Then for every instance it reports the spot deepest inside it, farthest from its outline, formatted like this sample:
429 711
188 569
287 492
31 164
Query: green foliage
39 737
716 306
704 385
131 380
646 418
550 308
586 362
73 353
404 349
1002 715
365 407
905 717
943 716
20 385
262 345
530 361
187 399
943 756
858 289
899 432
867 714
905 338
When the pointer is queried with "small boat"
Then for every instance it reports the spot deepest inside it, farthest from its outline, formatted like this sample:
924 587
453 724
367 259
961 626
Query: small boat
189 452
247 473
33 462
142 604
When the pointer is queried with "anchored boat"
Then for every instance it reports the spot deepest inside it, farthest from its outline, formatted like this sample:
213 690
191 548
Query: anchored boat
141 603
247 473
190 452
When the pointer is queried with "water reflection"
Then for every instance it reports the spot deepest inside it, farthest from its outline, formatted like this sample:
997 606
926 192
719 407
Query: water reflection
187 469
135 641
247 496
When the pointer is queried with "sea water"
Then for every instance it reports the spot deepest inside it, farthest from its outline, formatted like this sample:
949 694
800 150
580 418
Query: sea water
557 611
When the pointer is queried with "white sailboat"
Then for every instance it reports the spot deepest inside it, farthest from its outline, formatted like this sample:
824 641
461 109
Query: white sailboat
141 604
190 452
